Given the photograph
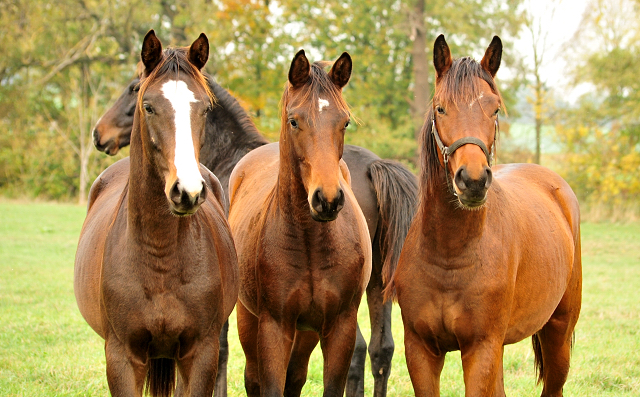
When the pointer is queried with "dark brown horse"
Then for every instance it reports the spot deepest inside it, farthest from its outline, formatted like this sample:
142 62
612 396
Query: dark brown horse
303 244
156 270
493 254
385 190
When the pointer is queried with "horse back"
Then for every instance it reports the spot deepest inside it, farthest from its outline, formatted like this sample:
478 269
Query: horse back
105 197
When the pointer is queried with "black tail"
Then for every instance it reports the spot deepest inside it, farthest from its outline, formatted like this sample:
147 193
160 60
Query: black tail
537 357
161 378
397 191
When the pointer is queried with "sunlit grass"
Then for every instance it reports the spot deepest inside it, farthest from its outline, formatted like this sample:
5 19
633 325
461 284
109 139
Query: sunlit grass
46 348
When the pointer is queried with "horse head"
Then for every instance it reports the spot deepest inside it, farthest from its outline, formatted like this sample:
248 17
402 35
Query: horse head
314 119
465 119
171 113
112 132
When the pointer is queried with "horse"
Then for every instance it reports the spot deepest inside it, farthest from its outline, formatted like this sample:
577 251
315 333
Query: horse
385 190
303 243
493 253
156 272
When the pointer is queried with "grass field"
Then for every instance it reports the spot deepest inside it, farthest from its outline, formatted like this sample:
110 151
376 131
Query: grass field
46 348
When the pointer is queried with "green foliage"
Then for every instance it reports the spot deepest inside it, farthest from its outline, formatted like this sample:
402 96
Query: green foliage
63 63
601 133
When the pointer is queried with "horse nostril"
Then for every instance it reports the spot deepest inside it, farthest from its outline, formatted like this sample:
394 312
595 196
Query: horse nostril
316 200
460 178
339 201
202 196
489 176
176 193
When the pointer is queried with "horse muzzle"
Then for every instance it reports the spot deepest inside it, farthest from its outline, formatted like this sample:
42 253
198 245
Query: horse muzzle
472 192
323 210
185 202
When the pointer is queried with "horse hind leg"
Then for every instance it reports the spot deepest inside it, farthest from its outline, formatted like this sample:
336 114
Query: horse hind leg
355 378
552 344
381 345
223 358
248 333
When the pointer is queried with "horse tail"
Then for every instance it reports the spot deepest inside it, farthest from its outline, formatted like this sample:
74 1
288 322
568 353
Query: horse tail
537 357
161 378
397 192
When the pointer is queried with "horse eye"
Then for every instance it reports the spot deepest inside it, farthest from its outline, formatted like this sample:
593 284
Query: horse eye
148 108
347 123
134 88
293 123
496 112
440 109
208 109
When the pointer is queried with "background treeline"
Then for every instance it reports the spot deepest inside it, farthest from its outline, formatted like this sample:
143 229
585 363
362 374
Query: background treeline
62 64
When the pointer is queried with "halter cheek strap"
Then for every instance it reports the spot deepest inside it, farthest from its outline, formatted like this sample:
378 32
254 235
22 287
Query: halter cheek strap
447 151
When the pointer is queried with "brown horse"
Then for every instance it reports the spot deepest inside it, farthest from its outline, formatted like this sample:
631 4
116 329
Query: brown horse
303 244
385 190
493 254
156 270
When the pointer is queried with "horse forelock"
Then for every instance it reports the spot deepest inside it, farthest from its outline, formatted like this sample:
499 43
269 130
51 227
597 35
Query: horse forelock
461 84
319 90
175 61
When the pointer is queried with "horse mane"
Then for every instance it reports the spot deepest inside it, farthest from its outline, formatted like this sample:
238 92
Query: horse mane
460 84
319 84
174 60
250 135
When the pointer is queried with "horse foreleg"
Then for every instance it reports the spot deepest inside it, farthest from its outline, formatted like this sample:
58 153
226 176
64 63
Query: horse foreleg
381 345
303 345
223 358
355 379
481 364
337 345
125 373
275 340
248 334
198 368
424 366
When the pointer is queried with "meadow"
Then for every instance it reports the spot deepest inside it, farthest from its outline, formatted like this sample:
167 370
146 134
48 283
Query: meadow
47 349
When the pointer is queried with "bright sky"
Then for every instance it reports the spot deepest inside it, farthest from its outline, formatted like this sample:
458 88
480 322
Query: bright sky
560 26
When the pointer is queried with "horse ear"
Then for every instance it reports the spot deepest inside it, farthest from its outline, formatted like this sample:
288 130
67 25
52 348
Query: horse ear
341 70
491 59
442 59
151 52
300 70
199 51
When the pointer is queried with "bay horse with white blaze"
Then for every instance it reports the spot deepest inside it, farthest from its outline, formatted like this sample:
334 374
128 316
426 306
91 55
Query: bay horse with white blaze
493 254
156 270
386 192
303 244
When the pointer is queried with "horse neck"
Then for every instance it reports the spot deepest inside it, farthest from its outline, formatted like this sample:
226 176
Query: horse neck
447 226
148 218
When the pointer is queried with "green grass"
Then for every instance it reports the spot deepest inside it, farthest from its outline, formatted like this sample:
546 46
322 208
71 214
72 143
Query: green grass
46 348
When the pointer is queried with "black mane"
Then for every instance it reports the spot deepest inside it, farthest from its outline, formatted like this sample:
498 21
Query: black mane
230 135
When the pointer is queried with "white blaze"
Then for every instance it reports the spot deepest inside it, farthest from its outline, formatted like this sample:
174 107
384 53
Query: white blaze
322 103
188 171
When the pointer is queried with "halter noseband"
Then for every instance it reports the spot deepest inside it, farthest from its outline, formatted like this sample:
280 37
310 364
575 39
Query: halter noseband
447 151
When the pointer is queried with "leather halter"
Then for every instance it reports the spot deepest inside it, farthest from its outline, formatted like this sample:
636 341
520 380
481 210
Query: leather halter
447 151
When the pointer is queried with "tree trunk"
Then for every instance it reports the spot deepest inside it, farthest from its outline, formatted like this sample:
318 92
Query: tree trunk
420 66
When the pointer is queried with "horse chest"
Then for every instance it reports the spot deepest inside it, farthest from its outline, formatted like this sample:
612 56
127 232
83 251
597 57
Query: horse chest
309 275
